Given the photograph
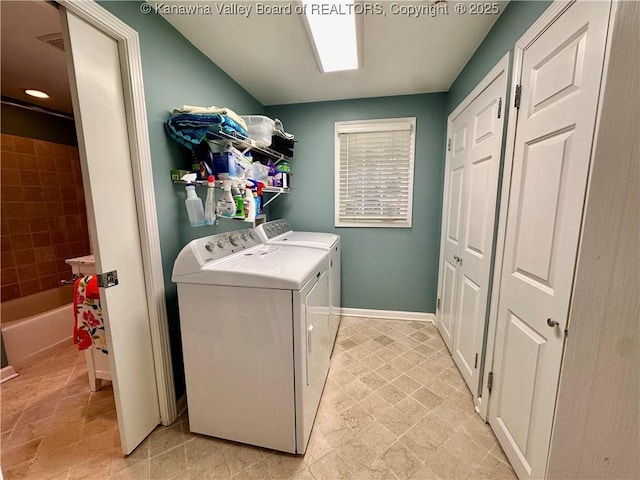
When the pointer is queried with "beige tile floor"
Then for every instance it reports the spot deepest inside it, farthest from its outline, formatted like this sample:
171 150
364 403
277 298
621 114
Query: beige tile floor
394 407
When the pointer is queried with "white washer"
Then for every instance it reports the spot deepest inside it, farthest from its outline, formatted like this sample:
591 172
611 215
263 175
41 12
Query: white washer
279 232
256 339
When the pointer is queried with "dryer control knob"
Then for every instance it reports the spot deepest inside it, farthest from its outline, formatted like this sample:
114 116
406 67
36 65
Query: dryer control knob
220 244
234 240
209 247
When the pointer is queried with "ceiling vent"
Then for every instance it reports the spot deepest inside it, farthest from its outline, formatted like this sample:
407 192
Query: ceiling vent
53 39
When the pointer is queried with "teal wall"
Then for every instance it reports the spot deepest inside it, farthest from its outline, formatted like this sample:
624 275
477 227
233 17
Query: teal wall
382 268
514 21
176 73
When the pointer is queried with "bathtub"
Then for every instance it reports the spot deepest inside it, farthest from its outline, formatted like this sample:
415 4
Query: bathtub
34 325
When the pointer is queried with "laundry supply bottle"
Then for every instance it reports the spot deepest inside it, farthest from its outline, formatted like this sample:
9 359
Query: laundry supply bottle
259 189
249 206
210 202
226 207
194 206
257 201
272 173
238 200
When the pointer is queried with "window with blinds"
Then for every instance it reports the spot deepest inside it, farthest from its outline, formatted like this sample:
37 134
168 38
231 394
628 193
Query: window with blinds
374 172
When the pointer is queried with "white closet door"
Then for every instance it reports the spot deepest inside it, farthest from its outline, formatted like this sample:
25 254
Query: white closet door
98 103
481 187
471 182
560 80
452 225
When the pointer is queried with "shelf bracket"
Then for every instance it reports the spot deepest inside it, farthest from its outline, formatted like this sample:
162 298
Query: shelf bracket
272 199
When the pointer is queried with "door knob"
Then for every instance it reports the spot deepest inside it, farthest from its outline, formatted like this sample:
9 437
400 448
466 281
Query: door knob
552 323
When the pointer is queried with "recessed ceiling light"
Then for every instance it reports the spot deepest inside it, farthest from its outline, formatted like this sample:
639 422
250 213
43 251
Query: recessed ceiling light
333 28
36 93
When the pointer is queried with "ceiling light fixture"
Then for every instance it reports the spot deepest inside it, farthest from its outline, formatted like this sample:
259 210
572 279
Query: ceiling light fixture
36 93
333 27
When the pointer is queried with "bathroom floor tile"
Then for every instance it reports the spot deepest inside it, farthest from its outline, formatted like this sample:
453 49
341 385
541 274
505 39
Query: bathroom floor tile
394 407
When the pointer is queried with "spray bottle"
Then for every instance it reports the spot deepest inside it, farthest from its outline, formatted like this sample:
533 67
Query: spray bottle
226 207
249 205
238 200
209 204
194 206
259 187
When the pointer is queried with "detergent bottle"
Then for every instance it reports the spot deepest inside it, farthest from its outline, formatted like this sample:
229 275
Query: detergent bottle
249 206
226 207
238 200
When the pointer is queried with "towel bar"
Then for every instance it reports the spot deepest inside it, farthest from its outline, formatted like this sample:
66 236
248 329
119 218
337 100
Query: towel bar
74 277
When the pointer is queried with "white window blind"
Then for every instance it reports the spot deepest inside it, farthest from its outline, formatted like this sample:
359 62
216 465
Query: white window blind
374 173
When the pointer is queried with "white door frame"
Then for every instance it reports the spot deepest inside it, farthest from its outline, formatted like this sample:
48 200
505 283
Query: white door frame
549 16
133 86
495 72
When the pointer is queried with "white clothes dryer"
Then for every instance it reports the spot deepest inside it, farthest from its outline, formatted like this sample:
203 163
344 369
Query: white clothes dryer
256 339
279 232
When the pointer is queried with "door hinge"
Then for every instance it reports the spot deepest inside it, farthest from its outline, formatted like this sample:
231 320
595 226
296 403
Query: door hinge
449 145
490 382
475 365
438 304
499 107
108 279
516 103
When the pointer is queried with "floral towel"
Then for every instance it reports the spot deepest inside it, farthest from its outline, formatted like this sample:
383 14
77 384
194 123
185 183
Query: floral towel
88 329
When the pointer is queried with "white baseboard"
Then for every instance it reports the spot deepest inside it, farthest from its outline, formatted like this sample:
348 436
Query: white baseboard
389 314
7 373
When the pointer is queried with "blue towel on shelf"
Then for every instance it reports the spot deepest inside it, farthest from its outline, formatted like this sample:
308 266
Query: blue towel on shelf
189 129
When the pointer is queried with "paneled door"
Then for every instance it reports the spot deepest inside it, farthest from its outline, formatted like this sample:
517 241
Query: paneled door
98 102
560 82
473 166
452 224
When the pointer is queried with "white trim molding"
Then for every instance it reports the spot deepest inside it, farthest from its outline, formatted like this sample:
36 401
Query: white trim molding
388 314
132 81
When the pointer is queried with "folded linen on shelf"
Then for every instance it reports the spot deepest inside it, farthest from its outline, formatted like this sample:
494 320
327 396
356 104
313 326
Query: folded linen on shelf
189 129
88 328
212 109
279 130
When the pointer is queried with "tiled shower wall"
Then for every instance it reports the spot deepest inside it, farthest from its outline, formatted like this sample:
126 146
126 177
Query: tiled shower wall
44 219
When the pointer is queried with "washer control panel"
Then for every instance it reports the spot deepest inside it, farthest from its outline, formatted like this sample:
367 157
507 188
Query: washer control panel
275 228
219 246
